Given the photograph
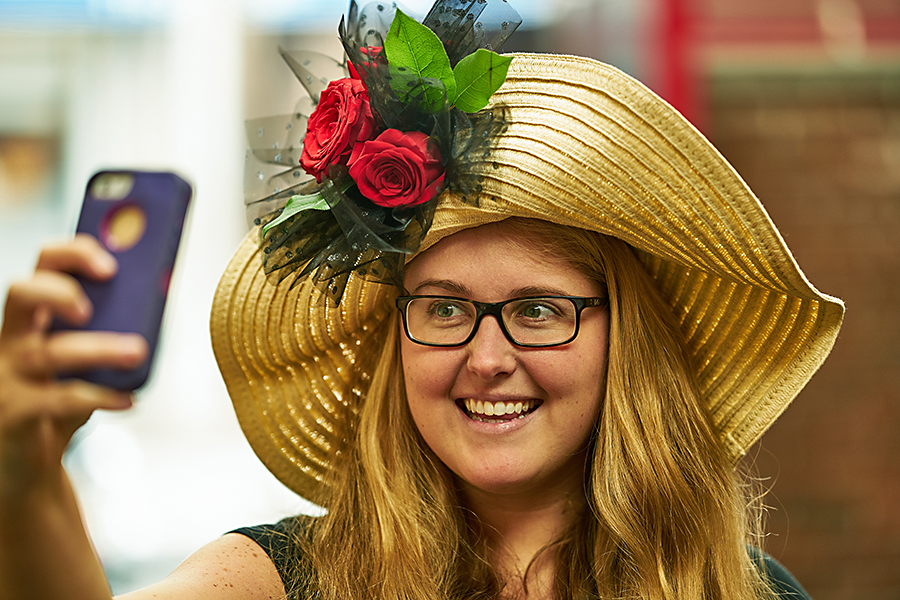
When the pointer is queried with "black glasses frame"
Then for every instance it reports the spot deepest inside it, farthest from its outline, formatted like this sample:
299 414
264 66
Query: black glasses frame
495 309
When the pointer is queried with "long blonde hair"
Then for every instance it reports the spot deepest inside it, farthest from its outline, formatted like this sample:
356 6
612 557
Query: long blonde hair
667 517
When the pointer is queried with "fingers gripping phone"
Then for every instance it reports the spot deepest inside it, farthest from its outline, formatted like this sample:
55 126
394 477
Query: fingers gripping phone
138 216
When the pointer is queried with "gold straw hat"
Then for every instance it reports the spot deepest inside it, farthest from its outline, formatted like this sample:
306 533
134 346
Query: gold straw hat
586 146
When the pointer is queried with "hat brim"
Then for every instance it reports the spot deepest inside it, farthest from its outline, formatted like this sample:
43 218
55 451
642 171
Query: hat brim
586 146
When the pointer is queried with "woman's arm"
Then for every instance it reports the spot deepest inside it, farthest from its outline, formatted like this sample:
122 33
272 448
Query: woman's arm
45 551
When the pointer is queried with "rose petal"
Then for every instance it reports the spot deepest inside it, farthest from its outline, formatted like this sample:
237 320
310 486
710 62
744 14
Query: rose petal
396 168
342 118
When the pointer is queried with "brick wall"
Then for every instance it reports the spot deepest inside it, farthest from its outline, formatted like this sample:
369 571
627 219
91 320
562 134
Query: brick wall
822 151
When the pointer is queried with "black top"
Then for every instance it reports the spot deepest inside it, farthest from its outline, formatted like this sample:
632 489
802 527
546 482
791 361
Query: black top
274 540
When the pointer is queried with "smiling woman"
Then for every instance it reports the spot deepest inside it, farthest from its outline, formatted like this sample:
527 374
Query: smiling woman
543 453
619 479
591 319
588 421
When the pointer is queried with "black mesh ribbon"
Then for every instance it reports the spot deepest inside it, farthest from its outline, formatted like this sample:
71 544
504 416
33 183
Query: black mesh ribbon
467 25
354 235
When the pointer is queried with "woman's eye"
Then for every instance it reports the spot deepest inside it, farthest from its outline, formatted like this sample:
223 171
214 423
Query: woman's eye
446 310
532 312
536 311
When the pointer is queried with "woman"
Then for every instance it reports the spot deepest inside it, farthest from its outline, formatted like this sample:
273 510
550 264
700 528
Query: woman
595 320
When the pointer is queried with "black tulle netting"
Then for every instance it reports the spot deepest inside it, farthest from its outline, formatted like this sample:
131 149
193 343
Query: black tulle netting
355 235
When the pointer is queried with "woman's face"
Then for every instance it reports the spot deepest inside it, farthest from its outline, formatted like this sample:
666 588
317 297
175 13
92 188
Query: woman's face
544 448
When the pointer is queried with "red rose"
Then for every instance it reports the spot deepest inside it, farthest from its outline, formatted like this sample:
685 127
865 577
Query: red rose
373 52
341 119
397 169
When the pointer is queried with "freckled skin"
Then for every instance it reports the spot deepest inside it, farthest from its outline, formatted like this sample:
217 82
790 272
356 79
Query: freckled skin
544 453
233 567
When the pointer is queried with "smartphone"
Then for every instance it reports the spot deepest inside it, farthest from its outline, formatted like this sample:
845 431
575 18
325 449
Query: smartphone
139 217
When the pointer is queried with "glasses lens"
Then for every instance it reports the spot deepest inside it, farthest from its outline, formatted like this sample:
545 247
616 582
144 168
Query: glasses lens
444 321
529 321
541 321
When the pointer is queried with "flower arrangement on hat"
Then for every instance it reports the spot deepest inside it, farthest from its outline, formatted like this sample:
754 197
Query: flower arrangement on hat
385 140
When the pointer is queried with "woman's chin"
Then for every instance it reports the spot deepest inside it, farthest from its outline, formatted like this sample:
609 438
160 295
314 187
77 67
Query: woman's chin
505 479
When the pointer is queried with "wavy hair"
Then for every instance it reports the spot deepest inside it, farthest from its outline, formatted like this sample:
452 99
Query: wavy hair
667 515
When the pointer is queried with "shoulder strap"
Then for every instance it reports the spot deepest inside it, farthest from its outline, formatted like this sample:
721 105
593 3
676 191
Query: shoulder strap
276 541
783 583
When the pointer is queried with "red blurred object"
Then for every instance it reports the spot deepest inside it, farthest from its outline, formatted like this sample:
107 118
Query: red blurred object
678 82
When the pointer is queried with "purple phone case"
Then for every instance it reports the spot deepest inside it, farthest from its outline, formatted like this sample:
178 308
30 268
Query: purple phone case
133 301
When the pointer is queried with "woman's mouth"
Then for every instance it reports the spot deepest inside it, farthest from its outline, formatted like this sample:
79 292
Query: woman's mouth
496 412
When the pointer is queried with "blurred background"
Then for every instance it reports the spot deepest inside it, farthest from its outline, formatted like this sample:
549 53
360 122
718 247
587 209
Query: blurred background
802 96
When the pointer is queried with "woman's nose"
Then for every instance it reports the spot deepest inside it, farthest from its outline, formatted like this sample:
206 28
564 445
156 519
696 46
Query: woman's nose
490 353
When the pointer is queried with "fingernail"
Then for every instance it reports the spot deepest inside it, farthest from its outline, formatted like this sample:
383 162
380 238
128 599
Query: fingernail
124 400
132 345
106 264
84 308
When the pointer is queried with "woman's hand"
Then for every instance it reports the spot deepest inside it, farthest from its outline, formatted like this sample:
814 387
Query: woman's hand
44 549
38 412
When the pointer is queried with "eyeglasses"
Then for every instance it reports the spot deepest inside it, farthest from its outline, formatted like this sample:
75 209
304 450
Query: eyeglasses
533 322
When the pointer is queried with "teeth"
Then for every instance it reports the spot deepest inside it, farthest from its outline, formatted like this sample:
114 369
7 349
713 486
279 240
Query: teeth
498 409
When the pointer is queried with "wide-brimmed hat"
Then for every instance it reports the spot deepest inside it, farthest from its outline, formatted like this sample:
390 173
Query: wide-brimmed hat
586 146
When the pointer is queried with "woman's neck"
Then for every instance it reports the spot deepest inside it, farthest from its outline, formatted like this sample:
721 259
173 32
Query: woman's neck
521 529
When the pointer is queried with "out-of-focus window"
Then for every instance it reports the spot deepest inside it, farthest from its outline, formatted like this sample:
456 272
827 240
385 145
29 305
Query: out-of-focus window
83 13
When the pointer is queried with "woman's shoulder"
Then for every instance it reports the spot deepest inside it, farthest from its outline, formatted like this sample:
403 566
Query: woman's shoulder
230 568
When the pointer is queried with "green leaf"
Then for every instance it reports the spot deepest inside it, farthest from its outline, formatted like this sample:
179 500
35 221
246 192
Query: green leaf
295 205
478 76
430 92
415 51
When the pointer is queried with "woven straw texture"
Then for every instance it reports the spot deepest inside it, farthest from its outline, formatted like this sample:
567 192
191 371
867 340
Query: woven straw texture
590 147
